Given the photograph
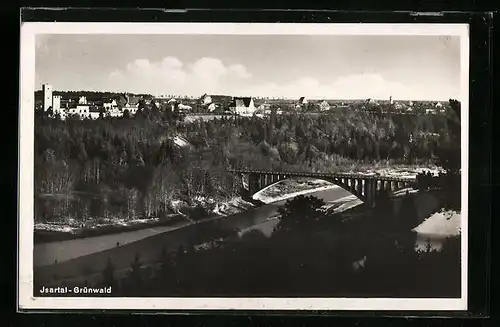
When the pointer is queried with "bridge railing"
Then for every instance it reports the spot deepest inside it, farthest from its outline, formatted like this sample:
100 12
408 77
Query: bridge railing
326 175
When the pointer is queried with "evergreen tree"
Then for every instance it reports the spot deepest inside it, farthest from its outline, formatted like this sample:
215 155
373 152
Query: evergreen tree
108 276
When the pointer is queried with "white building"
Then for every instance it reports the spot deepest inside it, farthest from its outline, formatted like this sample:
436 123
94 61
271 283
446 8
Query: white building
242 106
56 102
47 96
132 104
82 110
172 103
94 113
265 107
180 141
212 107
132 110
56 107
184 107
109 105
82 100
115 112
398 106
206 99
324 106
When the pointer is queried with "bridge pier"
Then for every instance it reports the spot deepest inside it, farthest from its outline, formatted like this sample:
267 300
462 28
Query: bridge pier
242 177
359 186
373 193
253 183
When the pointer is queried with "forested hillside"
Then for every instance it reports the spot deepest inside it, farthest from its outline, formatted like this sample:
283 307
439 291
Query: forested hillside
130 166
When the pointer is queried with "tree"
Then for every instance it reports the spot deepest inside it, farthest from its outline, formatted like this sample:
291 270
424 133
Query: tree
407 219
108 275
135 273
299 214
449 154
449 158
126 114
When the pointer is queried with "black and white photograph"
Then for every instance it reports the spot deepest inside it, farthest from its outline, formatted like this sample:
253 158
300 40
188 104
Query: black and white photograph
243 166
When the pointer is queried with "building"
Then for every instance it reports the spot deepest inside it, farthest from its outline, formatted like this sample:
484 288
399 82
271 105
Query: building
47 96
82 100
301 103
114 112
131 104
399 106
264 107
184 107
180 142
242 106
218 101
109 105
206 99
324 106
172 103
94 112
212 107
57 108
82 110
56 102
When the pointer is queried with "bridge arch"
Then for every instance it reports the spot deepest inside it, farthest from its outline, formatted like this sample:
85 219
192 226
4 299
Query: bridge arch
339 184
364 187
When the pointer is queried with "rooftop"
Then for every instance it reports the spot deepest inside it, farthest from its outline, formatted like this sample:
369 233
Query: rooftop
241 102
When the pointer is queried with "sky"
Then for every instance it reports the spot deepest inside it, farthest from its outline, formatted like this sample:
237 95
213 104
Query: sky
314 66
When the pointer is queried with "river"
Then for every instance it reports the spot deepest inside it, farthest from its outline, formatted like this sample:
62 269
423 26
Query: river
257 217
88 256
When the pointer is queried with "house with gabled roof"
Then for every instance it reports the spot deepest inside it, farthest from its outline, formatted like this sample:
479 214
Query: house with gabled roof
131 104
242 105
324 106
213 101
94 112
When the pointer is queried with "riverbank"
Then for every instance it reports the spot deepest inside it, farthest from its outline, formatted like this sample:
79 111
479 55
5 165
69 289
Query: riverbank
45 233
204 208
62 261
69 229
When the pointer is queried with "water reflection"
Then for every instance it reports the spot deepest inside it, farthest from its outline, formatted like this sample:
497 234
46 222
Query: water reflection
430 242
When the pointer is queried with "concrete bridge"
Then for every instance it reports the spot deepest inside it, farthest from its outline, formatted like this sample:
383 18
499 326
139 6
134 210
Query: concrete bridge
365 187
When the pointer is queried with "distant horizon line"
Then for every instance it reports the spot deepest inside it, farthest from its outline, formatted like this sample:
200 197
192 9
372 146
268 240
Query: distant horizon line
255 97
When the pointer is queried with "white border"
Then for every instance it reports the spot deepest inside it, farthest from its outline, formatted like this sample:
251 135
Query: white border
26 142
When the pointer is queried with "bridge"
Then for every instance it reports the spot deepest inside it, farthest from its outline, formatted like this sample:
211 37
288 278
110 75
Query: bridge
365 187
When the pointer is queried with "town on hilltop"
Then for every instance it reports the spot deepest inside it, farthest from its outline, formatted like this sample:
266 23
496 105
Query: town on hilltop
94 105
